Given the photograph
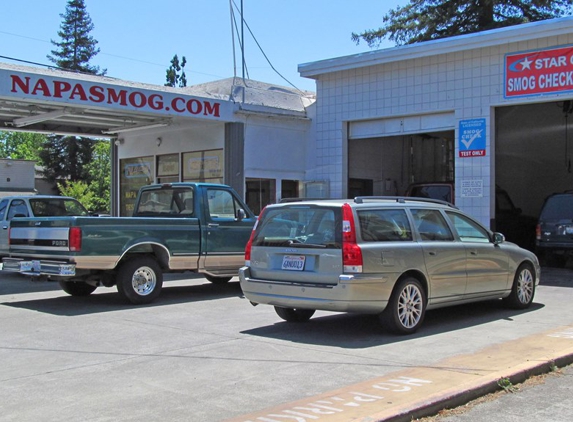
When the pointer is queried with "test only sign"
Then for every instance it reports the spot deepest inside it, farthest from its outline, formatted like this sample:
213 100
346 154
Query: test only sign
472 138
539 72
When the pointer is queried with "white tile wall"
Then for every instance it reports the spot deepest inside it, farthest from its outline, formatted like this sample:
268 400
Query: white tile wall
470 83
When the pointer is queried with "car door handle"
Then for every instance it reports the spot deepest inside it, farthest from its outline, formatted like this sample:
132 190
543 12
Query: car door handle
212 225
433 253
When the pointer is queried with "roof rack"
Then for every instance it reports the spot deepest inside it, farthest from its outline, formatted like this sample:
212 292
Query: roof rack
286 200
403 200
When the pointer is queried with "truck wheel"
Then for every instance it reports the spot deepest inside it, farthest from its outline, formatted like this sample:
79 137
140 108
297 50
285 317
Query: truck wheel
406 308
217 280
139 280
294 315
76 288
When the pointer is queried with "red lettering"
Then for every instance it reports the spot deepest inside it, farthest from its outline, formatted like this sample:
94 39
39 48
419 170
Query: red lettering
60 87
24 86
117 97
194 110
41 86
137 99
175 104
97 94
212 109
156 102
79 91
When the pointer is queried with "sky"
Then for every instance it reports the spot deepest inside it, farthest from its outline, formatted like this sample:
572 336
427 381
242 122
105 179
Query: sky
138 38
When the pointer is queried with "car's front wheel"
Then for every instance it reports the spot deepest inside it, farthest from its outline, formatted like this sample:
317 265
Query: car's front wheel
406 308
139 280
76 288
523 288
294 315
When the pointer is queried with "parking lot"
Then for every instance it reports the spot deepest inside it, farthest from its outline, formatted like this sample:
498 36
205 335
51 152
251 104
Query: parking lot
202 352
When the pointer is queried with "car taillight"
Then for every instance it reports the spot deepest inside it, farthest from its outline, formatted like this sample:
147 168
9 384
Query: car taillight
75 239
538 232
250 242
351 252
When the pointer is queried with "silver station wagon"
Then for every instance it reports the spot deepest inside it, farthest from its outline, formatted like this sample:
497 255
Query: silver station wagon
394 257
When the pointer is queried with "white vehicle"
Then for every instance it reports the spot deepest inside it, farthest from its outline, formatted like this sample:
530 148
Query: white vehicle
34 206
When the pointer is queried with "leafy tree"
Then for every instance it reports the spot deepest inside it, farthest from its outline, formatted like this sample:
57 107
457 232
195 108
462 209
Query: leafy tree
76 47
21 145
424 20
80 191
66 158
100 173
175 75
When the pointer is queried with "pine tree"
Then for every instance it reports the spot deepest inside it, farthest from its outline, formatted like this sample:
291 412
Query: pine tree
424 20
175 74
77 47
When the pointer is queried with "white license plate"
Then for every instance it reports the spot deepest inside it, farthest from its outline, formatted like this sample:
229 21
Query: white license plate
67 270
293 262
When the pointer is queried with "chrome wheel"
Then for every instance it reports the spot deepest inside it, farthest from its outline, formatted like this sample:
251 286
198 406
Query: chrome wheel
525 286
406 307
144 281
410 306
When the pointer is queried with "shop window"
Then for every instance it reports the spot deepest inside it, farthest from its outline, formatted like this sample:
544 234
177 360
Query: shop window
289 189
203 166
168 168
260 193
134 173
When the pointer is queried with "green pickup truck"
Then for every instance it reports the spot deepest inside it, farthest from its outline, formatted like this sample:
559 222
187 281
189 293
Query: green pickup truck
176 227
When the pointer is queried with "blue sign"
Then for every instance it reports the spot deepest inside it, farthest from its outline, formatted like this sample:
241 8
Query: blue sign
472 138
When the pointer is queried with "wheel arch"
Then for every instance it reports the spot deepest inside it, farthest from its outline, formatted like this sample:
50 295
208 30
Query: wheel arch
154 249
418 275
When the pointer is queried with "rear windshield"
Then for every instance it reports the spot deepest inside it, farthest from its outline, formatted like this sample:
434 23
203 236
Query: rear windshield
300 227
55 207
166 202
558 207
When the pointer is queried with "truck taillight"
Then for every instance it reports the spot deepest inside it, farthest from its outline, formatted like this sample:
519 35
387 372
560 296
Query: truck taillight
538 232
351 252
250 242
75 239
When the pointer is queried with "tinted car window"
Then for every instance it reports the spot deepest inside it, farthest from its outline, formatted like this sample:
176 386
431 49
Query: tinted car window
311 226
384 225
3 205
468 230
558 207
431 225
17 208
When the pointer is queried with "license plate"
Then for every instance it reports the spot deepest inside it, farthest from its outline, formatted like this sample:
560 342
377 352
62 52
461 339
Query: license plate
293 262
67 270
30 266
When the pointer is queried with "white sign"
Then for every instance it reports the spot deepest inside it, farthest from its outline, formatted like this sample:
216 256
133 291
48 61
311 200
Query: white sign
472 188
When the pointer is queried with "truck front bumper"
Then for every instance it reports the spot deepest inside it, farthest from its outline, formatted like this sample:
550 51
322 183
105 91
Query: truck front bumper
39 267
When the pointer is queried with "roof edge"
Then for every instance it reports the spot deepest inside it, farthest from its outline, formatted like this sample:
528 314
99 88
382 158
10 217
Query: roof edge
494 37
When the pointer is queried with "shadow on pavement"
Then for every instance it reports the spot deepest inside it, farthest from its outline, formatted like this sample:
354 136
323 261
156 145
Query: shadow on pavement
108 300
352 331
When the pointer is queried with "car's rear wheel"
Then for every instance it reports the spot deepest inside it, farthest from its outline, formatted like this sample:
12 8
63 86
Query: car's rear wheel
217 280
294 315
76 288
139 280
406 308
523 288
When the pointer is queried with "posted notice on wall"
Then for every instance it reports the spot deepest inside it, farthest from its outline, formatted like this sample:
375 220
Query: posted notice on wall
472 138
472 188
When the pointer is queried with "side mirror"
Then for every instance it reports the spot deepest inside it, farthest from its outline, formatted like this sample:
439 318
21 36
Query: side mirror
241 214
498 238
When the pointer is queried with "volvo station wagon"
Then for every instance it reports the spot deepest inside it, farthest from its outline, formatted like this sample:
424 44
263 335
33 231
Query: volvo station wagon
393 257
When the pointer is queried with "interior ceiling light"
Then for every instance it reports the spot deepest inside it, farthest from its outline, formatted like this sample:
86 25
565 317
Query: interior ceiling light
123 129
37 118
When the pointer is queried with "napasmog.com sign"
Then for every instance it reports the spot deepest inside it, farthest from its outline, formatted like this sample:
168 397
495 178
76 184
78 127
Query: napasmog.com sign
539 72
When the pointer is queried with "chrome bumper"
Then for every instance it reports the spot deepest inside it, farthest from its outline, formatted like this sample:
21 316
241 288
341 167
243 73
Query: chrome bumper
38 267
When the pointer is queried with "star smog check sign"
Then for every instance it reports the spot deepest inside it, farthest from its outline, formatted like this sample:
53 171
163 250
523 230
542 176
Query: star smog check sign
472 138
539 72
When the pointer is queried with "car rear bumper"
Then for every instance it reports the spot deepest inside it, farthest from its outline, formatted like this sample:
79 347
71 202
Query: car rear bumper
351 294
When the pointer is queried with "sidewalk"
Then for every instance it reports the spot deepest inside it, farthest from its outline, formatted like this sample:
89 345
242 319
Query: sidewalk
424 391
